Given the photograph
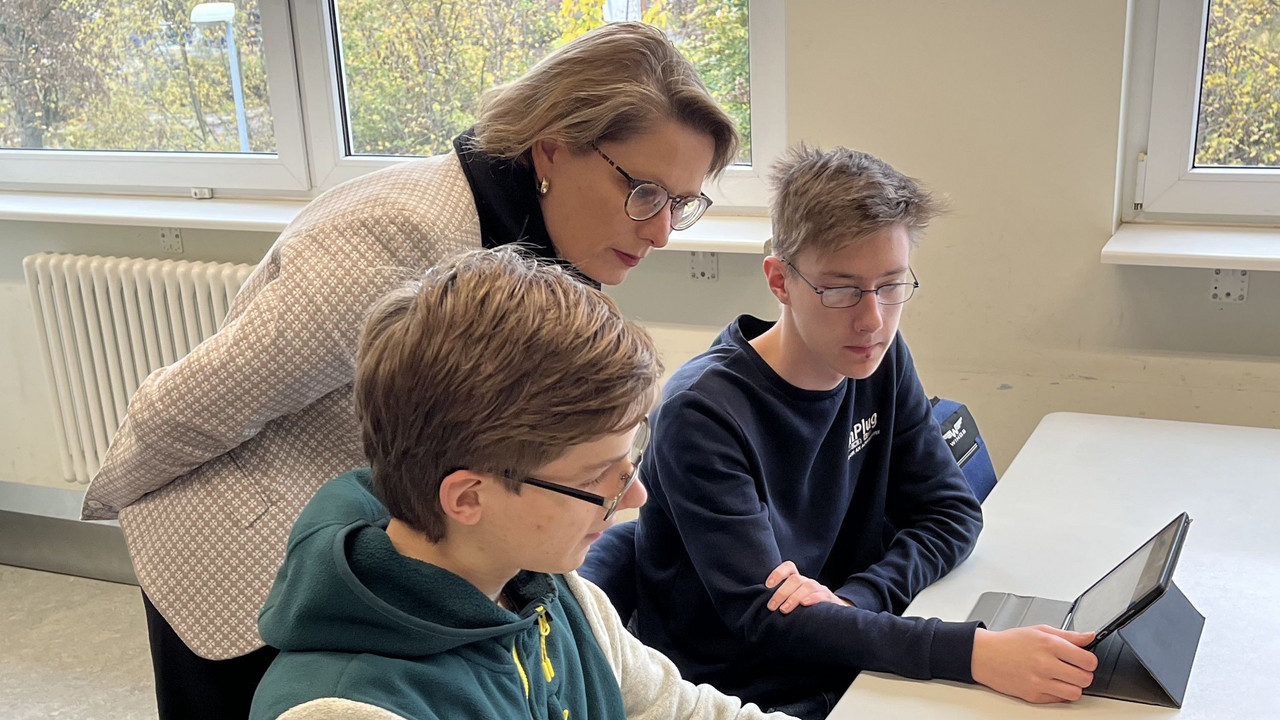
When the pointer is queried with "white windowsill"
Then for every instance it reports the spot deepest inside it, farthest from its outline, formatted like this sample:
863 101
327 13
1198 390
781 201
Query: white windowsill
724 233
713 233
1194 246
143 211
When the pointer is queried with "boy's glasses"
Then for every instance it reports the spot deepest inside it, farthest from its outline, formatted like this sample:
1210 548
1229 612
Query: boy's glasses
648 198
846 297
610 504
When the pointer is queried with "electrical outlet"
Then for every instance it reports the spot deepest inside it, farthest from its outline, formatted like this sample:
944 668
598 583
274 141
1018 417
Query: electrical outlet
171 239
1229 286
704 266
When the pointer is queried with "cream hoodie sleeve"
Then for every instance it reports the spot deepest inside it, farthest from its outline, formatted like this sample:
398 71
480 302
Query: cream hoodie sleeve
652 688
337 709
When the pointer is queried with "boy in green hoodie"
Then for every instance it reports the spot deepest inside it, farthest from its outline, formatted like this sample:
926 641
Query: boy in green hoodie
503 412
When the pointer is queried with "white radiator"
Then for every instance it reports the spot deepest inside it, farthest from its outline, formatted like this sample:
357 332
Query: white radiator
105 323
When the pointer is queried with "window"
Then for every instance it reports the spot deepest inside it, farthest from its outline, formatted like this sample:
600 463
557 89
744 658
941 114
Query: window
112 77
250 97
410 87
1238 123
1211 133
151 93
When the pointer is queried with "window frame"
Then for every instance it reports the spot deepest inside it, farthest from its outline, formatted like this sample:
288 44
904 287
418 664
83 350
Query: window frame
1159 179
283 172
300 48
740 186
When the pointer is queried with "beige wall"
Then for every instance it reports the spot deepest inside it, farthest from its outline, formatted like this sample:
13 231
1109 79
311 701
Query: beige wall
1009 108
1012 109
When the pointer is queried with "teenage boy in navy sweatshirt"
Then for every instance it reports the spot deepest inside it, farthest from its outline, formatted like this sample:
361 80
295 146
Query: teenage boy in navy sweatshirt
801 493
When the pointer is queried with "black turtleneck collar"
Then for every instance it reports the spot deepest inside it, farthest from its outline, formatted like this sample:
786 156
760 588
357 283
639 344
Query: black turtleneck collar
507 202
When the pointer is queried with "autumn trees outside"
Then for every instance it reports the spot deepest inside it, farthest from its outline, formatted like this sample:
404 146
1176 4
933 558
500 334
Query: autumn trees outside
139 75
1239 122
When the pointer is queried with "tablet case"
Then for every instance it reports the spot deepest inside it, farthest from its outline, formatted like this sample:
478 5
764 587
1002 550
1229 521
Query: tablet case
1147 661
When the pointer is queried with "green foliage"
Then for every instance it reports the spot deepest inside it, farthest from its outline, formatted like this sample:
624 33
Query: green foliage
713 35
136 75
577 17
1240 95
415 69
413 86
150 81
44 72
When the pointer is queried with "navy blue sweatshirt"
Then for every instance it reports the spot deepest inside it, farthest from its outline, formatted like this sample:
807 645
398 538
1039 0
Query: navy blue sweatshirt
854 485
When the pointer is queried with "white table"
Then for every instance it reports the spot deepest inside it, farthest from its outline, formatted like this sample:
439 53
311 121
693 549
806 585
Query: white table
1083 493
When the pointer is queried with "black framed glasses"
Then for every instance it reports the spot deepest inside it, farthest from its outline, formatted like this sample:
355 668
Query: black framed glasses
846 297
647 198
610 504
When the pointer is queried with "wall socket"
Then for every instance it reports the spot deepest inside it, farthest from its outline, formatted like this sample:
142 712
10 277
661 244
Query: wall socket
704 266
1229 286
171 239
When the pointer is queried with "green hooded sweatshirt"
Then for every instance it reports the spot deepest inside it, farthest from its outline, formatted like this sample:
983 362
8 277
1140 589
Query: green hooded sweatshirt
355 619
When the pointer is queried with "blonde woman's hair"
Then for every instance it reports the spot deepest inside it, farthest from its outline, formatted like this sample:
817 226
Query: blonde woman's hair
825 200
610 84
494 363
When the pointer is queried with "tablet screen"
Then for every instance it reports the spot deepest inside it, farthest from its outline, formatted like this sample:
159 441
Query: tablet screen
1130 582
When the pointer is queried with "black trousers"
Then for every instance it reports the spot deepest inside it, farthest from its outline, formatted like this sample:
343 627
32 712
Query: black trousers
189 687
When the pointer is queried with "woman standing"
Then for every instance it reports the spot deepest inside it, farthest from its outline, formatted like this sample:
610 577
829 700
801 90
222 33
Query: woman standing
590 159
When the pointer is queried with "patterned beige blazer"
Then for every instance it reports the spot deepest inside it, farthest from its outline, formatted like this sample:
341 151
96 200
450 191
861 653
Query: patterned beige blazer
220 451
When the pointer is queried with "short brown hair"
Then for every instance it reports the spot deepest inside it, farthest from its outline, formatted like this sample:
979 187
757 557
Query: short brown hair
495 363
610 84
824 200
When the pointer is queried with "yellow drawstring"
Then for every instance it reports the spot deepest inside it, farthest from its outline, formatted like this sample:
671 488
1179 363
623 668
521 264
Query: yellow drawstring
523 678
544 629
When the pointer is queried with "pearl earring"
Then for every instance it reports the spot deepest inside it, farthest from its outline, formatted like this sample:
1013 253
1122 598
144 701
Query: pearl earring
544 186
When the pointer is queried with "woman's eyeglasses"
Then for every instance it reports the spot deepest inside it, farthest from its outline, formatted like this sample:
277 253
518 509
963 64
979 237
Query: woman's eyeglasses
648 198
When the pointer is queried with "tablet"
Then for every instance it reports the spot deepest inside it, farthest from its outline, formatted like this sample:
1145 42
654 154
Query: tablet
1133 585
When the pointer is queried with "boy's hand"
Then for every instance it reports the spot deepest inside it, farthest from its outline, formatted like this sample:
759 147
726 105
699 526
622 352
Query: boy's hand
1039 664
796 590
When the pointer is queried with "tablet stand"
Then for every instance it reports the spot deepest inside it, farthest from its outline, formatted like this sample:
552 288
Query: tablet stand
1149 660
